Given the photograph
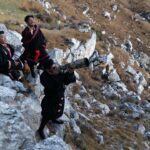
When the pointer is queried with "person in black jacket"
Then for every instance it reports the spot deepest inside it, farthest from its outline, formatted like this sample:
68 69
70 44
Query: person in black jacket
34 43
7 65
54 87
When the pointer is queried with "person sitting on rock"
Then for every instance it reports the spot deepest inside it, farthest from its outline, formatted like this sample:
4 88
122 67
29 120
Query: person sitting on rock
34 43
54 82
7 65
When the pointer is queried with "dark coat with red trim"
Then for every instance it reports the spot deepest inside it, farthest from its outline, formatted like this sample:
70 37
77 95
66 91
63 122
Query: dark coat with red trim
33 43
5 58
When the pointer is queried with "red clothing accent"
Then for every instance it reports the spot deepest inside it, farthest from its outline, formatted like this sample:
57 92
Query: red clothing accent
34 44
37 54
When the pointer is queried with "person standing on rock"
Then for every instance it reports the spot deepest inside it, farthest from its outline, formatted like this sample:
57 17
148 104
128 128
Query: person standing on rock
34 43
54 87
7 65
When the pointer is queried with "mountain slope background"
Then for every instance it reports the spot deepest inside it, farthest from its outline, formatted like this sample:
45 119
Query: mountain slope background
123 29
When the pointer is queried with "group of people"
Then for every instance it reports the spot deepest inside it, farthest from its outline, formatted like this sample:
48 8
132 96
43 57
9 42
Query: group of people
52 78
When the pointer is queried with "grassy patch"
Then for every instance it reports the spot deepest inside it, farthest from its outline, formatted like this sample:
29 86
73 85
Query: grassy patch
9 10
56 38
33 6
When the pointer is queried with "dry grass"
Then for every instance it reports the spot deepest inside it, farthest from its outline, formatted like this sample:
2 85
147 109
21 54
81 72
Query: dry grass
69 8
88 81
87 140
33 5
121 133
56 38
9 10
121 27
76 88
122 56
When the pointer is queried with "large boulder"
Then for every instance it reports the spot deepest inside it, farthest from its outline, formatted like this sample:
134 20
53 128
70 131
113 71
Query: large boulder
31 111
7 82
77 51
13 38
15 133
7 94
52 143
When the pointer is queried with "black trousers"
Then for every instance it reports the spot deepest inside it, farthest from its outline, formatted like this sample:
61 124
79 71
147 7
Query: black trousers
52 107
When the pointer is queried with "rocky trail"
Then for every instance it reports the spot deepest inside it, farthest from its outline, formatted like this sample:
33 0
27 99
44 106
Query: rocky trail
100 114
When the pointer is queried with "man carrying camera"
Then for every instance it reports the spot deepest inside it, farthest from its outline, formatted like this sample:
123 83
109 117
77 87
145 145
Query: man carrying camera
54 82
7 65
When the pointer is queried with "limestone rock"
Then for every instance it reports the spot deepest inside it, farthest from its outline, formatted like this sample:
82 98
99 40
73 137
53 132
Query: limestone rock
7 95
52 143
15 134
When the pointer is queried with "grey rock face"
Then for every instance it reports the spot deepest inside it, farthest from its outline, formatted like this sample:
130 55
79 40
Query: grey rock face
131 70
100 138
147 134
146 106
143 59
14 132
108 91
115 90
132 110
145 15
139 79
113 76
31 111
127 46
84 27
131 97
115 7
52 143
77 51
7 95
13 37
140 128
107 15
75 127
57 55
104 108
7 82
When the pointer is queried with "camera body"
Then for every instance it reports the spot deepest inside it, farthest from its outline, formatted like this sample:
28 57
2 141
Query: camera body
80 63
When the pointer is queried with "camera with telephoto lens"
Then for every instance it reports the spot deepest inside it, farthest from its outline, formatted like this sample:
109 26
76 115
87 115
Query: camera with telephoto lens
80 63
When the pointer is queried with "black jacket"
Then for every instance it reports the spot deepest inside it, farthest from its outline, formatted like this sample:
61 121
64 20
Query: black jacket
5 57
37 43
54 85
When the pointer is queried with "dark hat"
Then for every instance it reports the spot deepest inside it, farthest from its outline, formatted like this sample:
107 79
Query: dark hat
47 63
1 32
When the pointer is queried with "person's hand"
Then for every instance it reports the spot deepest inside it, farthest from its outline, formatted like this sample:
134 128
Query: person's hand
19 65
26 68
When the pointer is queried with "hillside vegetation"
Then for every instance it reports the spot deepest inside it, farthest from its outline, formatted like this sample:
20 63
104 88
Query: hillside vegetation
113 29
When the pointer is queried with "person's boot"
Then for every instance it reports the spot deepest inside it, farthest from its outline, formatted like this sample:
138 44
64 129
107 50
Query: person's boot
57 121
41 134
40 131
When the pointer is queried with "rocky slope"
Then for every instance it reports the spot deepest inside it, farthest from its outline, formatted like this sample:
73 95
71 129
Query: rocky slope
100 114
